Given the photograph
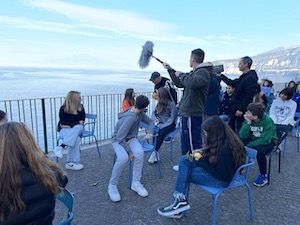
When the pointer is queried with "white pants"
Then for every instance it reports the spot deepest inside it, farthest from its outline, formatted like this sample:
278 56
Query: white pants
122 159
71 138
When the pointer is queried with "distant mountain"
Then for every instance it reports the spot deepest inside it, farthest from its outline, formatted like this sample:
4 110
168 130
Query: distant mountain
279 65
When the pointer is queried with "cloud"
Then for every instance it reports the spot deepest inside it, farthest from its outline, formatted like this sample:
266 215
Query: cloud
25 23
119 21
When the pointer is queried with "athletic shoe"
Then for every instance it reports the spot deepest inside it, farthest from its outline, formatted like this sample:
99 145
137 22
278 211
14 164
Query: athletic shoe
168 140
153 158
176 168
179 205
74 166
113 193
176 216
139 188
261 180
58 151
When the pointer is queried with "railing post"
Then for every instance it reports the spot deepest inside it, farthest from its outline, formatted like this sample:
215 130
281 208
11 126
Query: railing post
44 125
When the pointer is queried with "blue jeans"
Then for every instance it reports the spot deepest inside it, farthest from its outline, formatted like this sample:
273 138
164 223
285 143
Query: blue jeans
191 172
191 134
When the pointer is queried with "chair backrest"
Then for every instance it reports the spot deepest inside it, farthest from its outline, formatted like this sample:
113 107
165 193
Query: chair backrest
92 121
243 170
67 198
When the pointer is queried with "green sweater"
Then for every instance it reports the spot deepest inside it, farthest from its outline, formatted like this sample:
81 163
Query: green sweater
261 133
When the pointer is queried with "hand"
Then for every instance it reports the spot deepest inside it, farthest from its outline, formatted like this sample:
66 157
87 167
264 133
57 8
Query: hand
166 65
148 136
238 113
177 73
131 156
247 119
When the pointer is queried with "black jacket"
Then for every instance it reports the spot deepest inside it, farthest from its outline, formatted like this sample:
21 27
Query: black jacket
38 200
244 90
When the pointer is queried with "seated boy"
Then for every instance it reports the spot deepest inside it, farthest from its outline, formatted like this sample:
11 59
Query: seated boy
127 147
259 132
283 110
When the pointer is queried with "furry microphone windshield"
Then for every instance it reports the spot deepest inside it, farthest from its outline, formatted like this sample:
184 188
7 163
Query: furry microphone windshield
147 53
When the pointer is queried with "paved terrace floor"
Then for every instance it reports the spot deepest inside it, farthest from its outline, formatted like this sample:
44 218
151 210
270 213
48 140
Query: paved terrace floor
278 203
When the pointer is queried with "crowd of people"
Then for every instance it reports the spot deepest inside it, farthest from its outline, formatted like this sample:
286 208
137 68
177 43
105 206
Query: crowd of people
215 125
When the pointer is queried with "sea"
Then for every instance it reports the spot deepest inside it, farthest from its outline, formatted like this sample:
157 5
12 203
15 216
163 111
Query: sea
28 83
32 82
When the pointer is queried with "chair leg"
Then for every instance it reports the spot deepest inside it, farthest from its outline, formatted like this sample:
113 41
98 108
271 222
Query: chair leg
298 139
216 197
269 169
249 200
158 165
171 150
279 161
129 175
284 148
97 146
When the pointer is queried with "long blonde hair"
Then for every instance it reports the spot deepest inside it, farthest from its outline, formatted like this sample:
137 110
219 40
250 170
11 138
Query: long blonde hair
18 149
73 103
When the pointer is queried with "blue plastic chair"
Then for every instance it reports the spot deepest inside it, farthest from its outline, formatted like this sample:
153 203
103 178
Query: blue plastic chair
295 131
282 134
173 133
239 179
67 198
89 130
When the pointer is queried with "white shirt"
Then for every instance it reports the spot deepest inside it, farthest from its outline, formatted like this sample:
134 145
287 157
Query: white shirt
283 112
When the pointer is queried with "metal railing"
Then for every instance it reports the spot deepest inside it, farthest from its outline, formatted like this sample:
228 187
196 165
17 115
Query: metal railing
41 115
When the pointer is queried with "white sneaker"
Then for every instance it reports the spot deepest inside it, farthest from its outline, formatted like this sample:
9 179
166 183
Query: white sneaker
139 188
176 168
152 158
113 193
74 166
58 151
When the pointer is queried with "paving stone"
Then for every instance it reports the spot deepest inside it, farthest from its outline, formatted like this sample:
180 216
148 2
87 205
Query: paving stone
278 203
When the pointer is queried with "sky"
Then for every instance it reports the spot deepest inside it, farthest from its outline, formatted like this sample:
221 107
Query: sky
109 34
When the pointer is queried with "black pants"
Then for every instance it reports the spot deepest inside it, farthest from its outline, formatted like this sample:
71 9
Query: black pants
162 134
262 151
235 122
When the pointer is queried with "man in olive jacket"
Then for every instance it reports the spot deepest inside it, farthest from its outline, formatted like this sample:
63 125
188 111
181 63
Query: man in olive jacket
244 90
191 106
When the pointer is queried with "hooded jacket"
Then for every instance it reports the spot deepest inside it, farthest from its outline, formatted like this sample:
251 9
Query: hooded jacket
128 125
244 90
195 86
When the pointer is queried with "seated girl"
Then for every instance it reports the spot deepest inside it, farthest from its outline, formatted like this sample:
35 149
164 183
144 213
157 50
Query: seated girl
70 127
164 116
129 99
29 180
222 155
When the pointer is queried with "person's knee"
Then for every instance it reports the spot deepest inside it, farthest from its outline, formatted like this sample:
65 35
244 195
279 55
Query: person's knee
122 159
138 155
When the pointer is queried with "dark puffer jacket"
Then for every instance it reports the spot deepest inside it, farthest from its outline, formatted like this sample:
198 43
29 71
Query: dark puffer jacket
244 90
38 200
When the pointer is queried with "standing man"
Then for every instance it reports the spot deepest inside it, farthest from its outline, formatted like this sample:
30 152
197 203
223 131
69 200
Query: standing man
244 90
191 106
159 82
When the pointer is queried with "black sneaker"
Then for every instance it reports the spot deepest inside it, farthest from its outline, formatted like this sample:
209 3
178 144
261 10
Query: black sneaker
179 205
